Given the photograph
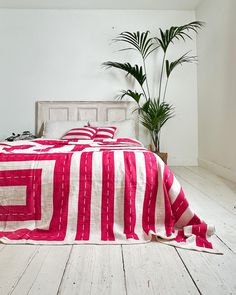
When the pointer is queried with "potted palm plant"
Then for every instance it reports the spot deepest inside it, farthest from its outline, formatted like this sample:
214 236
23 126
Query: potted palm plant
153 109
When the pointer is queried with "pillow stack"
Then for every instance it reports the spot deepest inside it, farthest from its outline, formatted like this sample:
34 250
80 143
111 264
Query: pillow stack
88 132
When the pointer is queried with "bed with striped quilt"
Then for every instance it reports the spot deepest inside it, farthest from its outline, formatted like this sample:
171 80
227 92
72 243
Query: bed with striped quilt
94 191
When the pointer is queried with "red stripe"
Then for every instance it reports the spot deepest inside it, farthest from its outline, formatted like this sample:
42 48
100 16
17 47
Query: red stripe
200 231
170 220
194 220
179 206
149 204
129 195
108 188
180 236
200 242
168 178
80 147
61 188
84 202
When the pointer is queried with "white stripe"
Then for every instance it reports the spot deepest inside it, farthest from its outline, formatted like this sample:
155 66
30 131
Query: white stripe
73 198
185 218
64 149
160 202
174 190
140 192
96 198
119 195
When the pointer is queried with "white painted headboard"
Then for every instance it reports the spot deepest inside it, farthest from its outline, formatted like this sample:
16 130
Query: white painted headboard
83 110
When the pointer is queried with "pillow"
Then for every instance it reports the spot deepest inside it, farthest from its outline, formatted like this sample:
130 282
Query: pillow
56 129
125 128
105 132
80 133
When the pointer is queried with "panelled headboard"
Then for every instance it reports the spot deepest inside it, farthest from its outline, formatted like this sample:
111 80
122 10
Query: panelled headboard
83 110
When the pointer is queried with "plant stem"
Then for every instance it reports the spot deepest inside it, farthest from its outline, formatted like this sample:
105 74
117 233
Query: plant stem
145 71
164 96
144 93
158 141
153 138
162 70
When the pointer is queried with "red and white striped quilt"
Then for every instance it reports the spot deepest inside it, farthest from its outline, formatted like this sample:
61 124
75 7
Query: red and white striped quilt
110 191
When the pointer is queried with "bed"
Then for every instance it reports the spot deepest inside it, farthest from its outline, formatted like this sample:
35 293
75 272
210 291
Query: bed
61 190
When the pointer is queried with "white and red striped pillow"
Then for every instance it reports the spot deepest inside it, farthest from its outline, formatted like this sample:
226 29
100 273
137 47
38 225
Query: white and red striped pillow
105 132
80 133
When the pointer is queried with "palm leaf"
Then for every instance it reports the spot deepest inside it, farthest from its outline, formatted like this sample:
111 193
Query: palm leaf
135 71
133 94
145 106
139 41
180 32
156 115
170 66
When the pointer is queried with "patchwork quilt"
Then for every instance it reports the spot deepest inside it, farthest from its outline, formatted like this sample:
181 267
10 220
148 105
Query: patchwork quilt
104 191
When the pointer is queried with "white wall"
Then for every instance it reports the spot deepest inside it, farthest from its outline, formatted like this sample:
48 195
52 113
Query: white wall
216 87
57 55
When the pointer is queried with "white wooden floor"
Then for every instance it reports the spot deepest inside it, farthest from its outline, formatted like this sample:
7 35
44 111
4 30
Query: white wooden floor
135 269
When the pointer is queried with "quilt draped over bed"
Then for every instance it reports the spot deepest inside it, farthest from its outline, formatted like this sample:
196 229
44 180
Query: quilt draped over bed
117 192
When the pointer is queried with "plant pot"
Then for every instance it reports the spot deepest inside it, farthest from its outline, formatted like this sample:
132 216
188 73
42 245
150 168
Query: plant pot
163 156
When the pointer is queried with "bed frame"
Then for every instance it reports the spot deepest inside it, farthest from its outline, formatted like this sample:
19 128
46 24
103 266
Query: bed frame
84 110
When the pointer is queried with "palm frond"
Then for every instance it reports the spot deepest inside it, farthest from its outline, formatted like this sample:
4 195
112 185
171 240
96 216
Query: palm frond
135 71
139 41
180 32
156 115
170 66
133 94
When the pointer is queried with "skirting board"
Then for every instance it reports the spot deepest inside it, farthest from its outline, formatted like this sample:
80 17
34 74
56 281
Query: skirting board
218 169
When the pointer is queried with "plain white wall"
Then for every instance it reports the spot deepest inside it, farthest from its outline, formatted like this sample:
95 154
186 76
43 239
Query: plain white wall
57 55
216 87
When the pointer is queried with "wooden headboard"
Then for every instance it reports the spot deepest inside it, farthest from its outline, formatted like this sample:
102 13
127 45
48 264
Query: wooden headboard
83 110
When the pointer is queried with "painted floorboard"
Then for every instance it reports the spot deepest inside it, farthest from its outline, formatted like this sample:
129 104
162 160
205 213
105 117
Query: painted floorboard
95 270
155 268
14 260
210 211
44 273
213 274
214 187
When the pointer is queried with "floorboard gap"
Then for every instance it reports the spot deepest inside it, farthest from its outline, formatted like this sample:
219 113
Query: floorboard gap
195 284
225 244
65 269
27 265
123 263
